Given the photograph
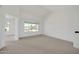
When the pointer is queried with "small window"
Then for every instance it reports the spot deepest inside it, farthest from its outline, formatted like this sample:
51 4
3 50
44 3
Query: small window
30 27
7 27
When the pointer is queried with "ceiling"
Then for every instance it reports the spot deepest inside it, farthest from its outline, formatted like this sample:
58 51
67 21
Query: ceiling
26 11
59 7
33 11
38 12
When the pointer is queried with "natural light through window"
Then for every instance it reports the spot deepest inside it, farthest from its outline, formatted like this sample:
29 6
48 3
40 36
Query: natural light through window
30 27
7 27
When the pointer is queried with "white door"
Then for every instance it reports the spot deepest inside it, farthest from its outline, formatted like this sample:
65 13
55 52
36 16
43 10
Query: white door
76 33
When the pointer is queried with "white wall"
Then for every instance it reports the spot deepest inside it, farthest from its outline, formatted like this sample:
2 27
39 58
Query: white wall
1 32
2 41
60 22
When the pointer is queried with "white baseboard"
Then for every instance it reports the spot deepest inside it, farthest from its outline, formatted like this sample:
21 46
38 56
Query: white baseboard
29 36
59 38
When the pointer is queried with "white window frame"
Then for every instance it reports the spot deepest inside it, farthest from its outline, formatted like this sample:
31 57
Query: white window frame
30 27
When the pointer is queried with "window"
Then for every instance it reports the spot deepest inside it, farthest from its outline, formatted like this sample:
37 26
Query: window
30 27
7 27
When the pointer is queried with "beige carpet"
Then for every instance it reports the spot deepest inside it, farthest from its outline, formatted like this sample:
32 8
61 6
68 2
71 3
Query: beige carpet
40 44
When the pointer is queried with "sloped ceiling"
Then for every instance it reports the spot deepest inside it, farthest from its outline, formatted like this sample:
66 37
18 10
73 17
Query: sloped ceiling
32 11
26 11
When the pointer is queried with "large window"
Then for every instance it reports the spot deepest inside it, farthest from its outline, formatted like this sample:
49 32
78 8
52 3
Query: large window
31 27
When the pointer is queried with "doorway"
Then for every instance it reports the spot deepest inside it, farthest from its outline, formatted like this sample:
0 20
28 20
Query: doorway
11 28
